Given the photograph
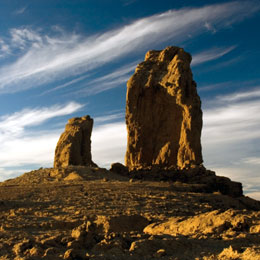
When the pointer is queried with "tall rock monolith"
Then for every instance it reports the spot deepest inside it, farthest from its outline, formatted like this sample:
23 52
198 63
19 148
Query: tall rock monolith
163 112
74 145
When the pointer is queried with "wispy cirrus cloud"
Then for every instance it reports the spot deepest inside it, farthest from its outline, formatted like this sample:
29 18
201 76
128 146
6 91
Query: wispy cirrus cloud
65 85
21 10
109 117
111 80
15 123
22 37
212 54
252 160
247 84
128 2
99 84
210 27
242 95
47 58
4 49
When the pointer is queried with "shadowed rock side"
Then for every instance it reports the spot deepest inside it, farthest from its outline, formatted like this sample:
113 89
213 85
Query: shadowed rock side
74 145
163 112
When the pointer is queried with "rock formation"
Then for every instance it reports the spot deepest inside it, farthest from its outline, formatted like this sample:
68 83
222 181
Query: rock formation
74 145
163 112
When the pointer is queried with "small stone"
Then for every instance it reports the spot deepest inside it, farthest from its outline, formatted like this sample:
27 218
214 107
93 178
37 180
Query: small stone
160 253
35 251
69 254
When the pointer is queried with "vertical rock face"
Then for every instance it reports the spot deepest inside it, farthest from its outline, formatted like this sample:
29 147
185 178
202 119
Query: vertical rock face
163 112
74 145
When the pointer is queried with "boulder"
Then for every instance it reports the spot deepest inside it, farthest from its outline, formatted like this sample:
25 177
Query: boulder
119 168
74 145
163 112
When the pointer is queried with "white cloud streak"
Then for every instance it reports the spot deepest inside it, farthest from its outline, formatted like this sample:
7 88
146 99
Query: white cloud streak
240 96
15 124
253 85
20 11
50 58
99 84
128 2
112 117
209 27
109 81
22 37
4 49
65 85
212 54
252 160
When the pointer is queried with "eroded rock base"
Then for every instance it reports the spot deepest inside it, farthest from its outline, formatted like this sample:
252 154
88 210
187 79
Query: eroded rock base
198 178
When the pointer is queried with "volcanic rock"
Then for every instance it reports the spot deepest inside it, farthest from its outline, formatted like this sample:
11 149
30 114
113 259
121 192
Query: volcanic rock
74 145
163 112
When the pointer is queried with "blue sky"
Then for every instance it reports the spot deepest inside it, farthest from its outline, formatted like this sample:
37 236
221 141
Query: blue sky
60 59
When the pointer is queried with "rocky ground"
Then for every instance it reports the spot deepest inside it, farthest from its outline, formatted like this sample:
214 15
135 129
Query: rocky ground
92 213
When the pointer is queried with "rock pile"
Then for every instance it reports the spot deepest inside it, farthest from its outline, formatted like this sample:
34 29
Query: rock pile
163 112
74 145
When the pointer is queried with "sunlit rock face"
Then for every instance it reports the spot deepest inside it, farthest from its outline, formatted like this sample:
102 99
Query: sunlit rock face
74 145
163 112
